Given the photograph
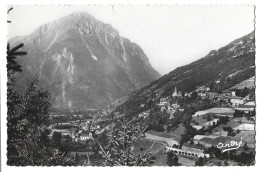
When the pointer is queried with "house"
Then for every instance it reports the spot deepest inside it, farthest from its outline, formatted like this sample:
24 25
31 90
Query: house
163 108
62 131
84 126
202 95
175 106
197 127
233 93
211 95
226 93
181 110
171 116
164 102
144 114
236 101
202 89
85 136
67 135
170 111
187 94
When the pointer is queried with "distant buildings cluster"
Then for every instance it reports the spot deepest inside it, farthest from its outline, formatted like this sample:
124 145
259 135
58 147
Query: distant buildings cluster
82 132
165 103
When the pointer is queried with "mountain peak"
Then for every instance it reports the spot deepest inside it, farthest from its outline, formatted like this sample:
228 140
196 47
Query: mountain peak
84 62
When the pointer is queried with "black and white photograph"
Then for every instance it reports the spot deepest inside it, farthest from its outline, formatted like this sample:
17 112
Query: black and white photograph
129 85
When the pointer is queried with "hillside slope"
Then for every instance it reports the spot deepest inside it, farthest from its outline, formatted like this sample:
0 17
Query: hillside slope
83 62
220 69
249 83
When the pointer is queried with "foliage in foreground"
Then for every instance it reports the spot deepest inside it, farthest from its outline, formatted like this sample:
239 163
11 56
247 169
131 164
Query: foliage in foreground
27 121
121 146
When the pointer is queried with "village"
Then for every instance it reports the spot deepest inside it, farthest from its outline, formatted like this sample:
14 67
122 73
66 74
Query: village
231 120
127 85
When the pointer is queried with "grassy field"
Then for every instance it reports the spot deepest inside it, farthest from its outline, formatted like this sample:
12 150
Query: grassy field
179 131
219 110
147 146
247 136
199 119
186 161
160 134
249 83
231 124
157 138
164 137
158 150
161 159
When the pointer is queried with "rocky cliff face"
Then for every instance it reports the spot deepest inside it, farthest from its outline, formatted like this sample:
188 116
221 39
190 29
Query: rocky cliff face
83 62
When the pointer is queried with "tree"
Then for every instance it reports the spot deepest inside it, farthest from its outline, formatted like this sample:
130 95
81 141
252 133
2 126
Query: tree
150 103
12 65
103 138
172 159
200 161
77 159
56 139
112 114
245 92
208 118
194 95
28 142
120 149
27 121
226 163
191 141
245 147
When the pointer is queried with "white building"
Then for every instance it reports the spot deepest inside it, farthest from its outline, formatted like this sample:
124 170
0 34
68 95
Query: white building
188 151
236 101
187 94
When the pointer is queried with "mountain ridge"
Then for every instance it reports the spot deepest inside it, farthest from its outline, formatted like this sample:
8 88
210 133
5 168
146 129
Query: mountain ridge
84 62
216 67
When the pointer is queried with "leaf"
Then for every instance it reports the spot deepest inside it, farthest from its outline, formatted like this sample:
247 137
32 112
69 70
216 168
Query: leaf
20 53
16 48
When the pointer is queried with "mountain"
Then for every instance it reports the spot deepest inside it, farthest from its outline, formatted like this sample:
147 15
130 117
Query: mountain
220 70
84 63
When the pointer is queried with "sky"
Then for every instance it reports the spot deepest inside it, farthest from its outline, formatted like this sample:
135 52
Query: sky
170 36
